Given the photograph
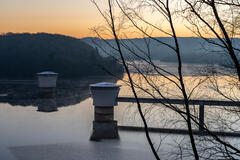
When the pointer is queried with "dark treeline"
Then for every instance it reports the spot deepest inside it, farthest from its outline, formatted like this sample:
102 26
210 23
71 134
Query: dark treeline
24 55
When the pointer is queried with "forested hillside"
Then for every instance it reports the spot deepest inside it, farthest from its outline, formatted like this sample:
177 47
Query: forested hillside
24 55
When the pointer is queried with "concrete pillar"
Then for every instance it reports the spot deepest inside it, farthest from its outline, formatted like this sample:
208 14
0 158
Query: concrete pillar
47 105
47 91
104 99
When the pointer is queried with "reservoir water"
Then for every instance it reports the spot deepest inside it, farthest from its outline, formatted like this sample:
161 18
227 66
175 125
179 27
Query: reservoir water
26 133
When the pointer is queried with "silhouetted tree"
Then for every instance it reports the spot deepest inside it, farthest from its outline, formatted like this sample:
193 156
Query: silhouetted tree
122 15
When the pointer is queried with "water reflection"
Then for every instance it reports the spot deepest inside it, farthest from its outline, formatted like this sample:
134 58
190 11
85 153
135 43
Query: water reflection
197 87
68 93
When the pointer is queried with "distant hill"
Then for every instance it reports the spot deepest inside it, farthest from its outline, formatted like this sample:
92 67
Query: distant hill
24 55
194 50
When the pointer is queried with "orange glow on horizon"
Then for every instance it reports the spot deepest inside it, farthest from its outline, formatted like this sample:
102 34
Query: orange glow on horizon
68 17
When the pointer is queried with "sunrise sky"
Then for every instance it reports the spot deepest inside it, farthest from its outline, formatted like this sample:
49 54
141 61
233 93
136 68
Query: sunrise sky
68 17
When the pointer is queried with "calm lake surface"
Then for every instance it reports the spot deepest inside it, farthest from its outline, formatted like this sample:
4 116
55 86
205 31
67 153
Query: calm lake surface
22 125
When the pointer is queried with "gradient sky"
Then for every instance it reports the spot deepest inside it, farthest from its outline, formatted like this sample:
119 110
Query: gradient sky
68 17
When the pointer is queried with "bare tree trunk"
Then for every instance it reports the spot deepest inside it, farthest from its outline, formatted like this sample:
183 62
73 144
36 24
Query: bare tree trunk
229 43
190 132
131 82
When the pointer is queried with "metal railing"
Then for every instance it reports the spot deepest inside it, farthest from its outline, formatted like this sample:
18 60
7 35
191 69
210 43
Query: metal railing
18 82
201 103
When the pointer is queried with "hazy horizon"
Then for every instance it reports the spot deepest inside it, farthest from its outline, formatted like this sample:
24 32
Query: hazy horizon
5 33
73 18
